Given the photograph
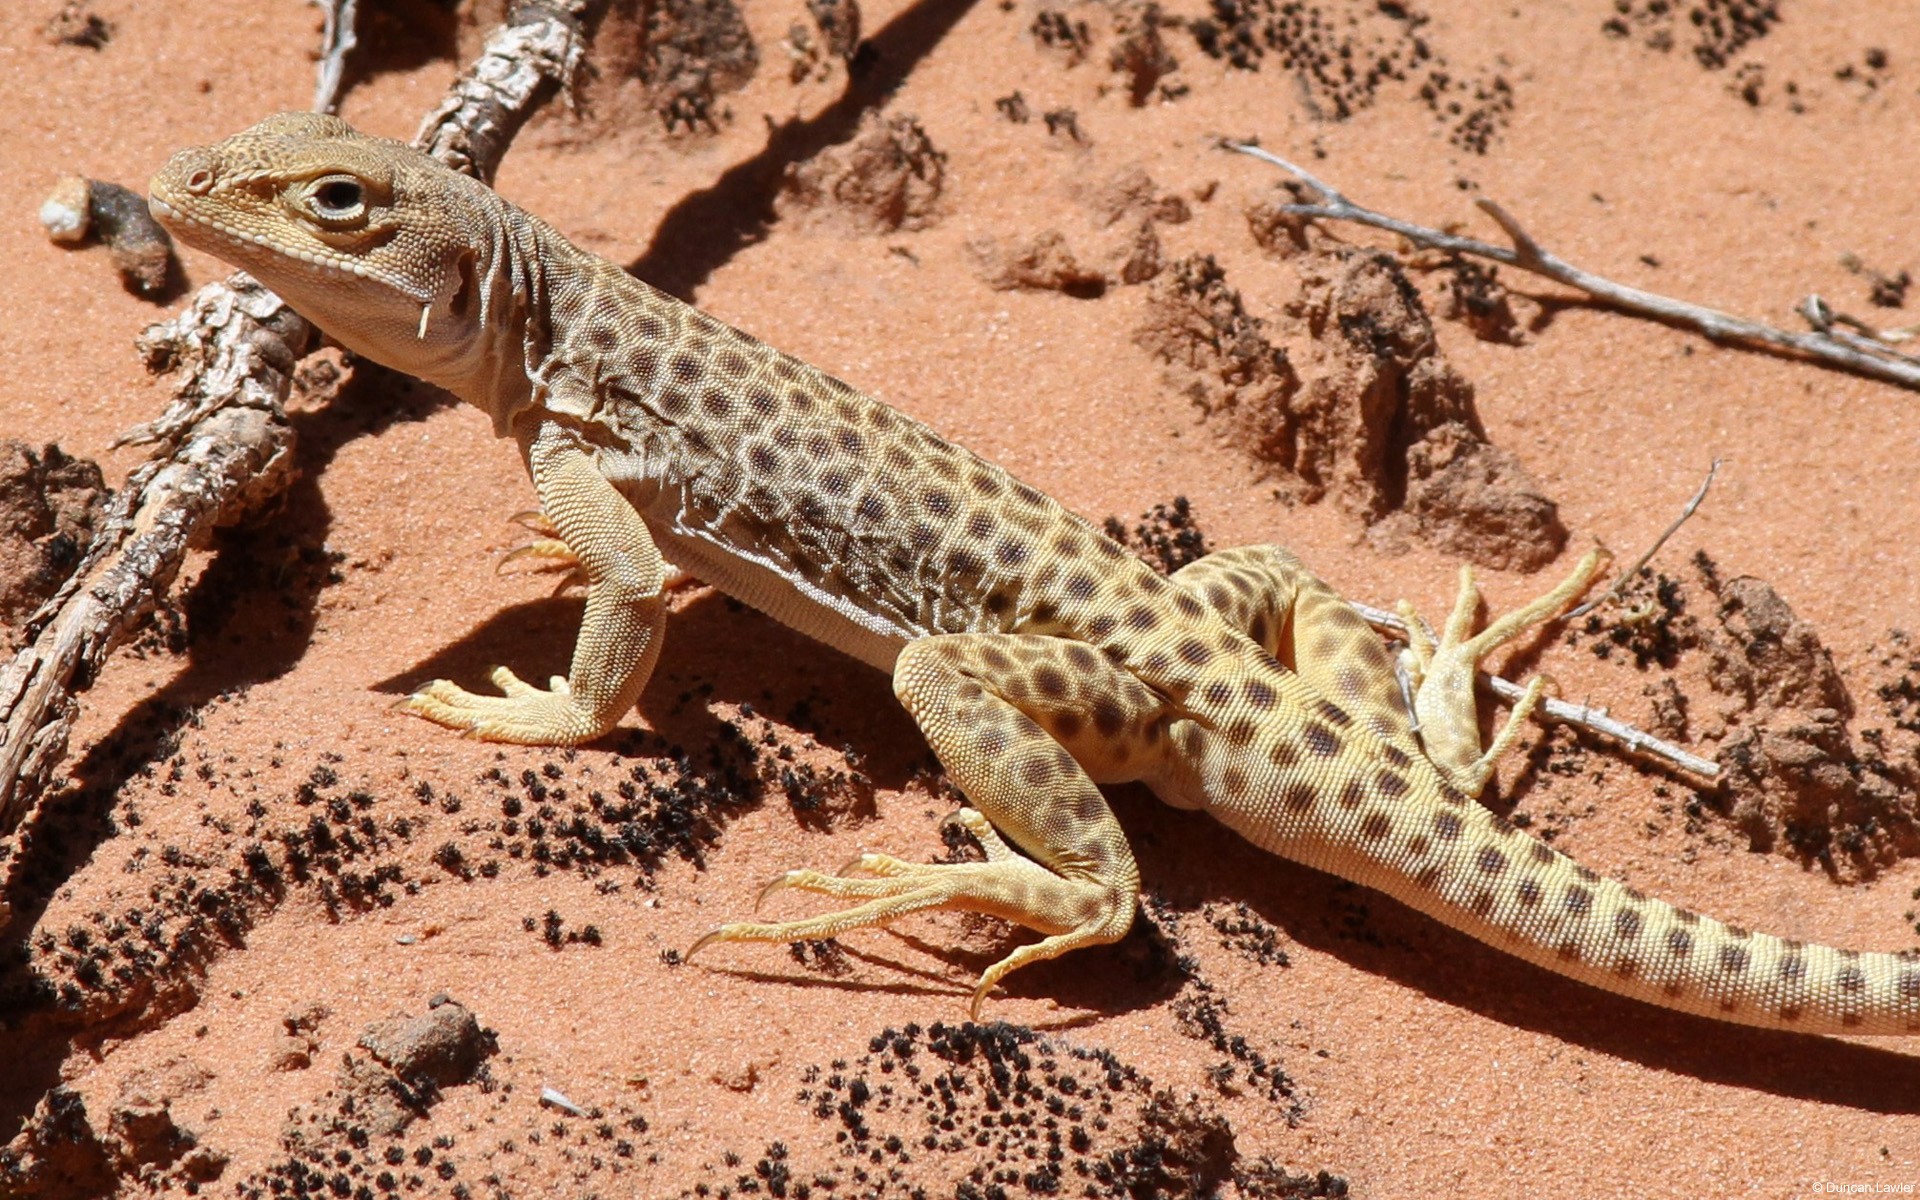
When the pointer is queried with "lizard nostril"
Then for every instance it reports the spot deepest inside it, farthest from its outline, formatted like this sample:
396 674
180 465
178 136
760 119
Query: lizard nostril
200 182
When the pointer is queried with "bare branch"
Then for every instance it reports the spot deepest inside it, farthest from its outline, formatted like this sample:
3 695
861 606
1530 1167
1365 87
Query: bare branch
338 37
224 446
540 49
1872 361
1620 580
1823 317
1585 716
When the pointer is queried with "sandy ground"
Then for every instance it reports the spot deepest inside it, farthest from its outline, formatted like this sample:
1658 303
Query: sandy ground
1290 1024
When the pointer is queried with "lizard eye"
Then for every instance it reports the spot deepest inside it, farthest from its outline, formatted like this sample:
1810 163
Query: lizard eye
339 198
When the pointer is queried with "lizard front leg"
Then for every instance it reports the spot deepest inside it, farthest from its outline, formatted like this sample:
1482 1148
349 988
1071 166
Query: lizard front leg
551 554
1013 718
619 639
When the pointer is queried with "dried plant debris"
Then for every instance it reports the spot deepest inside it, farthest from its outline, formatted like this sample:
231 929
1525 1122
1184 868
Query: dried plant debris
1117 231
50 507
1166 536
1869 73
142 252
75 23
833 37
888 178
1063 124
1474 296
996 1110
839 24
1247 934
1884 289
1349 396
1713 31
1068 36
1807 773
1132 32
1344 54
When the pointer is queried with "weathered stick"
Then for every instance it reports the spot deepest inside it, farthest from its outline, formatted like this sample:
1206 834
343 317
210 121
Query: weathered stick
338 37
224 444
540 49
1620 581
1862 356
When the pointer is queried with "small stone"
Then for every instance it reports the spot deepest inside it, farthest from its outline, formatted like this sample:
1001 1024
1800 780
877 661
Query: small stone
65 212
290 1054
445 1046
305 1018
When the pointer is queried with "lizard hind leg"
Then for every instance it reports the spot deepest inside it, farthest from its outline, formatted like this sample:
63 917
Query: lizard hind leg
1012 718
1443 674
1268 594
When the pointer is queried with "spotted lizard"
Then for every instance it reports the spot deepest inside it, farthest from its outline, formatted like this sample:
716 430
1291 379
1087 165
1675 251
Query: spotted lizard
1038 657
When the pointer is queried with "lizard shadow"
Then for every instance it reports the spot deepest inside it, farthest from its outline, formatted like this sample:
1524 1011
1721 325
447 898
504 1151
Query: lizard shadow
1377 934
705 229
716 650
1089 985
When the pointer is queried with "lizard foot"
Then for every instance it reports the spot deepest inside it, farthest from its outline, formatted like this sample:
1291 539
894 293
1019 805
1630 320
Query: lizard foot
1443 673
1071 912
525 714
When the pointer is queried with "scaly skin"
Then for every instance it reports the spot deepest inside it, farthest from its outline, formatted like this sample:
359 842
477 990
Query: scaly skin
1038 657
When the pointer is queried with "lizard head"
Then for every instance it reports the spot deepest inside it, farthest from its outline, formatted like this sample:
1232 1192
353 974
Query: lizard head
360 234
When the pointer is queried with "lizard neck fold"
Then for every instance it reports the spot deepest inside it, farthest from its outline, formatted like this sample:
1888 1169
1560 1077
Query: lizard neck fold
498 317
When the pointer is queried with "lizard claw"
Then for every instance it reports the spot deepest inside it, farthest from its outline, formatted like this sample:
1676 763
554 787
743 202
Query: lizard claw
780 882
712 935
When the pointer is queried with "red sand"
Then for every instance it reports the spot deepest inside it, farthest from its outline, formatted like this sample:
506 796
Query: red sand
1423 1063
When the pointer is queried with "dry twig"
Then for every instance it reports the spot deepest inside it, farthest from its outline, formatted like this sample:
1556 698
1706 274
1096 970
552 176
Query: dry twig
1620 580
337 40
224 444
1862 356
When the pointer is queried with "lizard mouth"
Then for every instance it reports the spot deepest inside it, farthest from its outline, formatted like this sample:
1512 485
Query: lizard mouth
234 244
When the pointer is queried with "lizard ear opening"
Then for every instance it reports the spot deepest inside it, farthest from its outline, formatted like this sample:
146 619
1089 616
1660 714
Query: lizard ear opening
460 304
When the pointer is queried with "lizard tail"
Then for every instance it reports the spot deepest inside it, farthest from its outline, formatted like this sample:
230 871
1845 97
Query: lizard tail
1306 781
1481 874
1514 891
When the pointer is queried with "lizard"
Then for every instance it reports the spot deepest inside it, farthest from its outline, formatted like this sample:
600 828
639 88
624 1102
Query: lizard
1039 658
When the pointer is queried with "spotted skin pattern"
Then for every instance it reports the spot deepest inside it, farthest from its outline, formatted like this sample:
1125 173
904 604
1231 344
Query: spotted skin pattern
1039 658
